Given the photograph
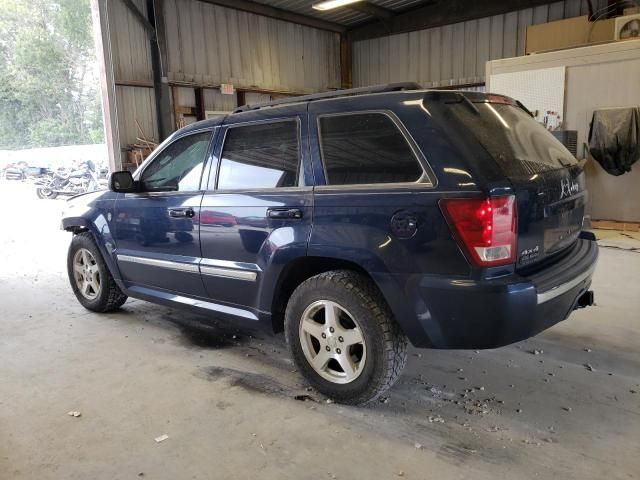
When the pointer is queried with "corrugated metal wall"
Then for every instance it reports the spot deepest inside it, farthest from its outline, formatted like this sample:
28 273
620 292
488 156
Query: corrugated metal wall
130 51
136 109
214 100
131 59
454 54
209 45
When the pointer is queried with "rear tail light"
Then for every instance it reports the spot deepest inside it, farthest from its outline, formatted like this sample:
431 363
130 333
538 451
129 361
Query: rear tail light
485 228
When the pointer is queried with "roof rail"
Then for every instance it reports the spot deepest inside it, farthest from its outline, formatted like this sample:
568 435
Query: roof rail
390 87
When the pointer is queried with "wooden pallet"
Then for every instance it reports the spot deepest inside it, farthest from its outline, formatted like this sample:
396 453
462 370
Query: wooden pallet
615 225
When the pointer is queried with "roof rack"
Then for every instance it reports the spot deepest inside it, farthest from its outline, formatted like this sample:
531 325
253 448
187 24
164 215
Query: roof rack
390 87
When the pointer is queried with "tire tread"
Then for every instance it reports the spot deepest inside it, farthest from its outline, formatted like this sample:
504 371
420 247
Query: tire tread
394 341
114 298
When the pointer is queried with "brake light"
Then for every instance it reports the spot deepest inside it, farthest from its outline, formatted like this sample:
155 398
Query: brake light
485 228
501 99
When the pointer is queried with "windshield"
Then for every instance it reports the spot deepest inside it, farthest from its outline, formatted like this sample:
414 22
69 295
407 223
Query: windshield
519 144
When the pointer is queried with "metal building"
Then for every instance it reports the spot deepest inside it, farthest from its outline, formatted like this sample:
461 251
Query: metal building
164 61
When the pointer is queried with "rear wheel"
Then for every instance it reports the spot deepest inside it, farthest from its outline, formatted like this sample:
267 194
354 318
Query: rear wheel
343 337
90 279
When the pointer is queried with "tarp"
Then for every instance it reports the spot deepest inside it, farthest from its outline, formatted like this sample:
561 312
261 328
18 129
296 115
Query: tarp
614 139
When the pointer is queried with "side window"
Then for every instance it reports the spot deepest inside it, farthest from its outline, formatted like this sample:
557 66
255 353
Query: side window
264 155
366 148
179 166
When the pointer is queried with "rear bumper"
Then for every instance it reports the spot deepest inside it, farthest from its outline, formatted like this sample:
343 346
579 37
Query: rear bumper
473 314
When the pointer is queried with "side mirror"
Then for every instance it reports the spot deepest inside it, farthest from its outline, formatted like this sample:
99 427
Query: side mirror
122 182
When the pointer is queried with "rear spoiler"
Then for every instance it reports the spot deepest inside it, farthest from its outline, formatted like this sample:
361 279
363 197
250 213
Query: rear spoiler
459 97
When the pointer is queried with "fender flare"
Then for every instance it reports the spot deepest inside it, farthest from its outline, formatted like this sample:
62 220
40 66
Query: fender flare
391 286
77 225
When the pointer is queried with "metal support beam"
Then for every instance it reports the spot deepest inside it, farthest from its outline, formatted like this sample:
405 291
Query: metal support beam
279 14
133 8
160 65
199 94
372 9
241 98
436 14
154 26
346 62
382 14
102 38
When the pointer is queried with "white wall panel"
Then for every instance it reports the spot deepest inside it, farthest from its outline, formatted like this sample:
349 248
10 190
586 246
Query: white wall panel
597 77
454 54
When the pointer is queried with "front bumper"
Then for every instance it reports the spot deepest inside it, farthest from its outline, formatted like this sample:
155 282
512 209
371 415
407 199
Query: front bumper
436 312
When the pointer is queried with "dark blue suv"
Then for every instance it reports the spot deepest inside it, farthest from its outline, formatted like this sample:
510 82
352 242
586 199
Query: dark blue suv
353 221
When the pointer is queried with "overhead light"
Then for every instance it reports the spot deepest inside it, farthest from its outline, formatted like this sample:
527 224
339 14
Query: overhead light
331 4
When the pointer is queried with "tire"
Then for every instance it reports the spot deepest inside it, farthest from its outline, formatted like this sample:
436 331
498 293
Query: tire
50 196
103 295
361 312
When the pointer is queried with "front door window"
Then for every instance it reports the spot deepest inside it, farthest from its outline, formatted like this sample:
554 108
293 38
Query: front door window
179 166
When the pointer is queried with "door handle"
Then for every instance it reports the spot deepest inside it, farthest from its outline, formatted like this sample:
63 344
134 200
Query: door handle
182 212
283 213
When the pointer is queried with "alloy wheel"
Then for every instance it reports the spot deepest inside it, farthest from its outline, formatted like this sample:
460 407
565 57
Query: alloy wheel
332 342
86 274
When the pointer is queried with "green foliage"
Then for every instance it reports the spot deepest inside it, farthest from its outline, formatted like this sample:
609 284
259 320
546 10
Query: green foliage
49 92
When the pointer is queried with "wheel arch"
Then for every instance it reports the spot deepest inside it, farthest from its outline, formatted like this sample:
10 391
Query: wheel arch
299 270
78 225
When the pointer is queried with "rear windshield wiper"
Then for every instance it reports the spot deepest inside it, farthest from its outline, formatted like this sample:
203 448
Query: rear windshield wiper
469 103
520 104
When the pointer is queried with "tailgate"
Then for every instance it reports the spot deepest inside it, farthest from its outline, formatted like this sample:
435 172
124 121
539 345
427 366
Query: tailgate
550 212
549 184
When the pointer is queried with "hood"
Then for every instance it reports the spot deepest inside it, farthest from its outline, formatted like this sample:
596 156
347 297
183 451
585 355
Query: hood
84 204
87 196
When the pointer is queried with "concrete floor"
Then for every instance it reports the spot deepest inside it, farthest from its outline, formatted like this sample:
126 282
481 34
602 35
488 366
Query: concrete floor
226 398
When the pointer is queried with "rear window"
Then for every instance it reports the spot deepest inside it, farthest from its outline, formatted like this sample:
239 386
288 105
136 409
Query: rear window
519 144
366 148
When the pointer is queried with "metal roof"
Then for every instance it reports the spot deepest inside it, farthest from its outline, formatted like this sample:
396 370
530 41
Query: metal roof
342 15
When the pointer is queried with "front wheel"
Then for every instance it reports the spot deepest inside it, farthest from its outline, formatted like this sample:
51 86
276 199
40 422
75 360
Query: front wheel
343 337
90 279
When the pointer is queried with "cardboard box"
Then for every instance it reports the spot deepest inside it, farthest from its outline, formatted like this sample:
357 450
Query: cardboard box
568 33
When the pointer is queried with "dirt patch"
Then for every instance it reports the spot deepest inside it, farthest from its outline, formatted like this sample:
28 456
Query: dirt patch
204 336
254 382
205 333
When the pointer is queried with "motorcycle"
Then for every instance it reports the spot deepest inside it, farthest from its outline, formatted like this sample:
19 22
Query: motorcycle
78 181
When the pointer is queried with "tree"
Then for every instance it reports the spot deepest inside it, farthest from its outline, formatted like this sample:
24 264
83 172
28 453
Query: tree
49 92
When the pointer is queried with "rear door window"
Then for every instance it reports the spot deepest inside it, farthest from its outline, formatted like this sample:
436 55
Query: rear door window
366 148
263 155
521 145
